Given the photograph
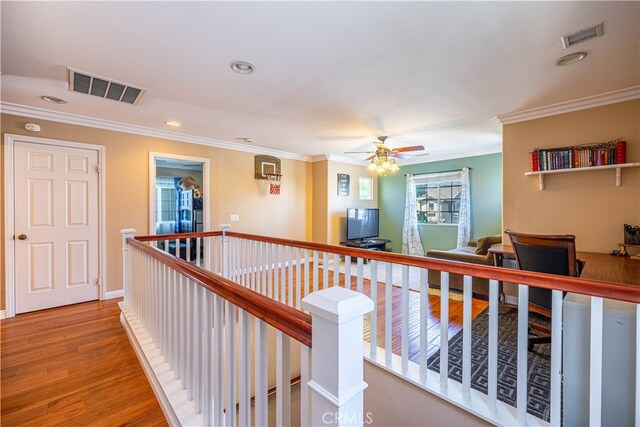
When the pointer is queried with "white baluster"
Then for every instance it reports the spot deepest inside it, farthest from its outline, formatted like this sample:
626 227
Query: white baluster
336 270
337 352
315 270
225 250
207 371
595 363
245 368
306 275
187 250
218 361
373 316
388 315
270 270
325 270
305 392
263 272
492 385
198 250
360 275
177 248
556 358
290 277
347 272
197 348
262 373
466 336
298 278
444 329
404 352
230 364
283 379
424 326
523 339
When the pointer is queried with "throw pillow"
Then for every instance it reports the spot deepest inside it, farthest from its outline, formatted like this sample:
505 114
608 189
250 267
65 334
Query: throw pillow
484 243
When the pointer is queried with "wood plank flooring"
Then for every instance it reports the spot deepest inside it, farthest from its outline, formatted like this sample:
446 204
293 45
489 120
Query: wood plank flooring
73 366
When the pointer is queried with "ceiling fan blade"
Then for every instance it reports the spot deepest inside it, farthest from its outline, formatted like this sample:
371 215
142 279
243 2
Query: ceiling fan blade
405 149
359 152
400 156
370 157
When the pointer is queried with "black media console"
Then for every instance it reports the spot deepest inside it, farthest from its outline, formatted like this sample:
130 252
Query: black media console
373 244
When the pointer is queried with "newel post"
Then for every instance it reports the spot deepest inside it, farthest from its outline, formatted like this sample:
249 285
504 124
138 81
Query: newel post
126 263
225 250
337 354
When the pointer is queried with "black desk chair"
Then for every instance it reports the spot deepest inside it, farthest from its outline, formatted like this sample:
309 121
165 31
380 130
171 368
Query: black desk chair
544 254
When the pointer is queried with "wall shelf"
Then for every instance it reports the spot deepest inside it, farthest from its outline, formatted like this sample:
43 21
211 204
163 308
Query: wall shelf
618 168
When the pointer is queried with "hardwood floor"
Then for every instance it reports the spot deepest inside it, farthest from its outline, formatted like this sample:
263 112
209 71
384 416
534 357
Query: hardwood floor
73 366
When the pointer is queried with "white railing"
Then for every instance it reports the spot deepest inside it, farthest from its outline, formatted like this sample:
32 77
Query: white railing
287 271
214 351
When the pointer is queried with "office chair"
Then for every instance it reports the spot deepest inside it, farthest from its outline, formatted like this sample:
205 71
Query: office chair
552 254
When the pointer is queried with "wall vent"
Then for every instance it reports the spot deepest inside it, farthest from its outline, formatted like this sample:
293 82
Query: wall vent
83 82
583 35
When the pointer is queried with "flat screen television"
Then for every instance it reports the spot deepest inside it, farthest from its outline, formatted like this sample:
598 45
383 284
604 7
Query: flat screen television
362 223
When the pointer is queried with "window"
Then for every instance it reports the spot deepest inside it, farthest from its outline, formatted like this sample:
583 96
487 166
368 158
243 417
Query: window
366 188
438 198
165 199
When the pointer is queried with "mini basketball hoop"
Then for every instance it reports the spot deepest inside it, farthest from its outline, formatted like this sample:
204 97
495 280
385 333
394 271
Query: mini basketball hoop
274 180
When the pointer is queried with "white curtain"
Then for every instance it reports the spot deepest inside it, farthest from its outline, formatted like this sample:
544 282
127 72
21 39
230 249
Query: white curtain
464 222
411 243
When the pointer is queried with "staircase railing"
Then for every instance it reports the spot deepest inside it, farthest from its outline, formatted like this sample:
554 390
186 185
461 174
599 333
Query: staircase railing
214 350
409 326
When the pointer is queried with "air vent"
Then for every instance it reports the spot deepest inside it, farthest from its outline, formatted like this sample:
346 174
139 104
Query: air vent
80 81
583 35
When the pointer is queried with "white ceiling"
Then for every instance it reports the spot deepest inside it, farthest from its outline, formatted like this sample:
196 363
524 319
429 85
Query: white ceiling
330 75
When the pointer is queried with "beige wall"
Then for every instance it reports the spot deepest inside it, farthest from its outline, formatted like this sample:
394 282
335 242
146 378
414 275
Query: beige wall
233 188
585 203
320 198
338 205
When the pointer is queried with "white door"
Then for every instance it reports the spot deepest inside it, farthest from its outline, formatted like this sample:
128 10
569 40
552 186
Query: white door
56 225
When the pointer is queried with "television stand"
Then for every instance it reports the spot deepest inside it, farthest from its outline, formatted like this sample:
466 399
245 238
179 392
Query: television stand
371 244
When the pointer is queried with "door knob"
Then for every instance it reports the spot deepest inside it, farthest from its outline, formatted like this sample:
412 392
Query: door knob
22 237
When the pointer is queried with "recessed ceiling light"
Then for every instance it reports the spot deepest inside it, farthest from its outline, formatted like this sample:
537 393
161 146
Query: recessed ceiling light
571 58
172 123
53 99
242 67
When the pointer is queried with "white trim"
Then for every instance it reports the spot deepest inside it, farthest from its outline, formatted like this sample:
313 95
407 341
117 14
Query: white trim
175 405
9 142
75 119
114 294
593 101
3 314
339 159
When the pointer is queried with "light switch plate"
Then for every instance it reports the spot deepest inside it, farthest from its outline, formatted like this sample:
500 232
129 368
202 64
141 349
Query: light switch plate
234 218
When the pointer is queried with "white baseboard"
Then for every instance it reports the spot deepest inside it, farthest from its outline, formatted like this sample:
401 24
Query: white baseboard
511 299
3 314
177 408
114 294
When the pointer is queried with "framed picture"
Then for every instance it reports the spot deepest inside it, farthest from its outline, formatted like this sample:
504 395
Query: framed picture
343 184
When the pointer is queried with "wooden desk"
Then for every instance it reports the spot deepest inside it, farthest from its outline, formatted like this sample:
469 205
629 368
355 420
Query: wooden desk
599 266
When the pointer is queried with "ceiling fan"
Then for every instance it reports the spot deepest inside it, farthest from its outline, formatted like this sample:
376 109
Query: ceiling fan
383 158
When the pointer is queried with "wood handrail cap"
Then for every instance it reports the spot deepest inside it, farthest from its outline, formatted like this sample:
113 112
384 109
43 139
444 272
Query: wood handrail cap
337 304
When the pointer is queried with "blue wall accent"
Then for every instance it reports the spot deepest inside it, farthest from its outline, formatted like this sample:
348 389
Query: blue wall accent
486 202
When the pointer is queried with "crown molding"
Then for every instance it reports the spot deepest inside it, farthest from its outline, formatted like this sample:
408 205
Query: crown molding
455 156
74 119
339 159
593 101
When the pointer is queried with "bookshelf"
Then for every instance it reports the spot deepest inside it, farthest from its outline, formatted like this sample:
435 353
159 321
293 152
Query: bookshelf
617 167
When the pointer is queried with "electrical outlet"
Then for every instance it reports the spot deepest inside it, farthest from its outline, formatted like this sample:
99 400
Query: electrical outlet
234 218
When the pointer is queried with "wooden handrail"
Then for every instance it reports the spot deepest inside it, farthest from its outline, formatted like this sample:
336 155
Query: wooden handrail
292 322
589 287
176 236
598 288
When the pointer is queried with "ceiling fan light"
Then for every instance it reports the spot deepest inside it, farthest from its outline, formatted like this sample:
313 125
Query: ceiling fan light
386 164
372 166
394 166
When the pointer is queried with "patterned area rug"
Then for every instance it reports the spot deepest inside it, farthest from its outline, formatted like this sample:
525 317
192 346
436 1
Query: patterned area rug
539 382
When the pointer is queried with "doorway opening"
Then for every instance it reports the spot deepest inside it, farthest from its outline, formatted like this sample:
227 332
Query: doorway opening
179 202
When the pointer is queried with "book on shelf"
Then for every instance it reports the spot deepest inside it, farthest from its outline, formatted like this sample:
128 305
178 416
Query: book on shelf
579 156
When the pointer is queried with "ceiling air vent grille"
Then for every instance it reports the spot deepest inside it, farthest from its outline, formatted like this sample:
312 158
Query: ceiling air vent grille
80 81
583 35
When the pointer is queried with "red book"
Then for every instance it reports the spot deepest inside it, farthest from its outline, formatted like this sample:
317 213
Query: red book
534 161
621 152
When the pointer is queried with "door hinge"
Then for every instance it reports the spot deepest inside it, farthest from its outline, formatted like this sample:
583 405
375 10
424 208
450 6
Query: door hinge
98 169
98 282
